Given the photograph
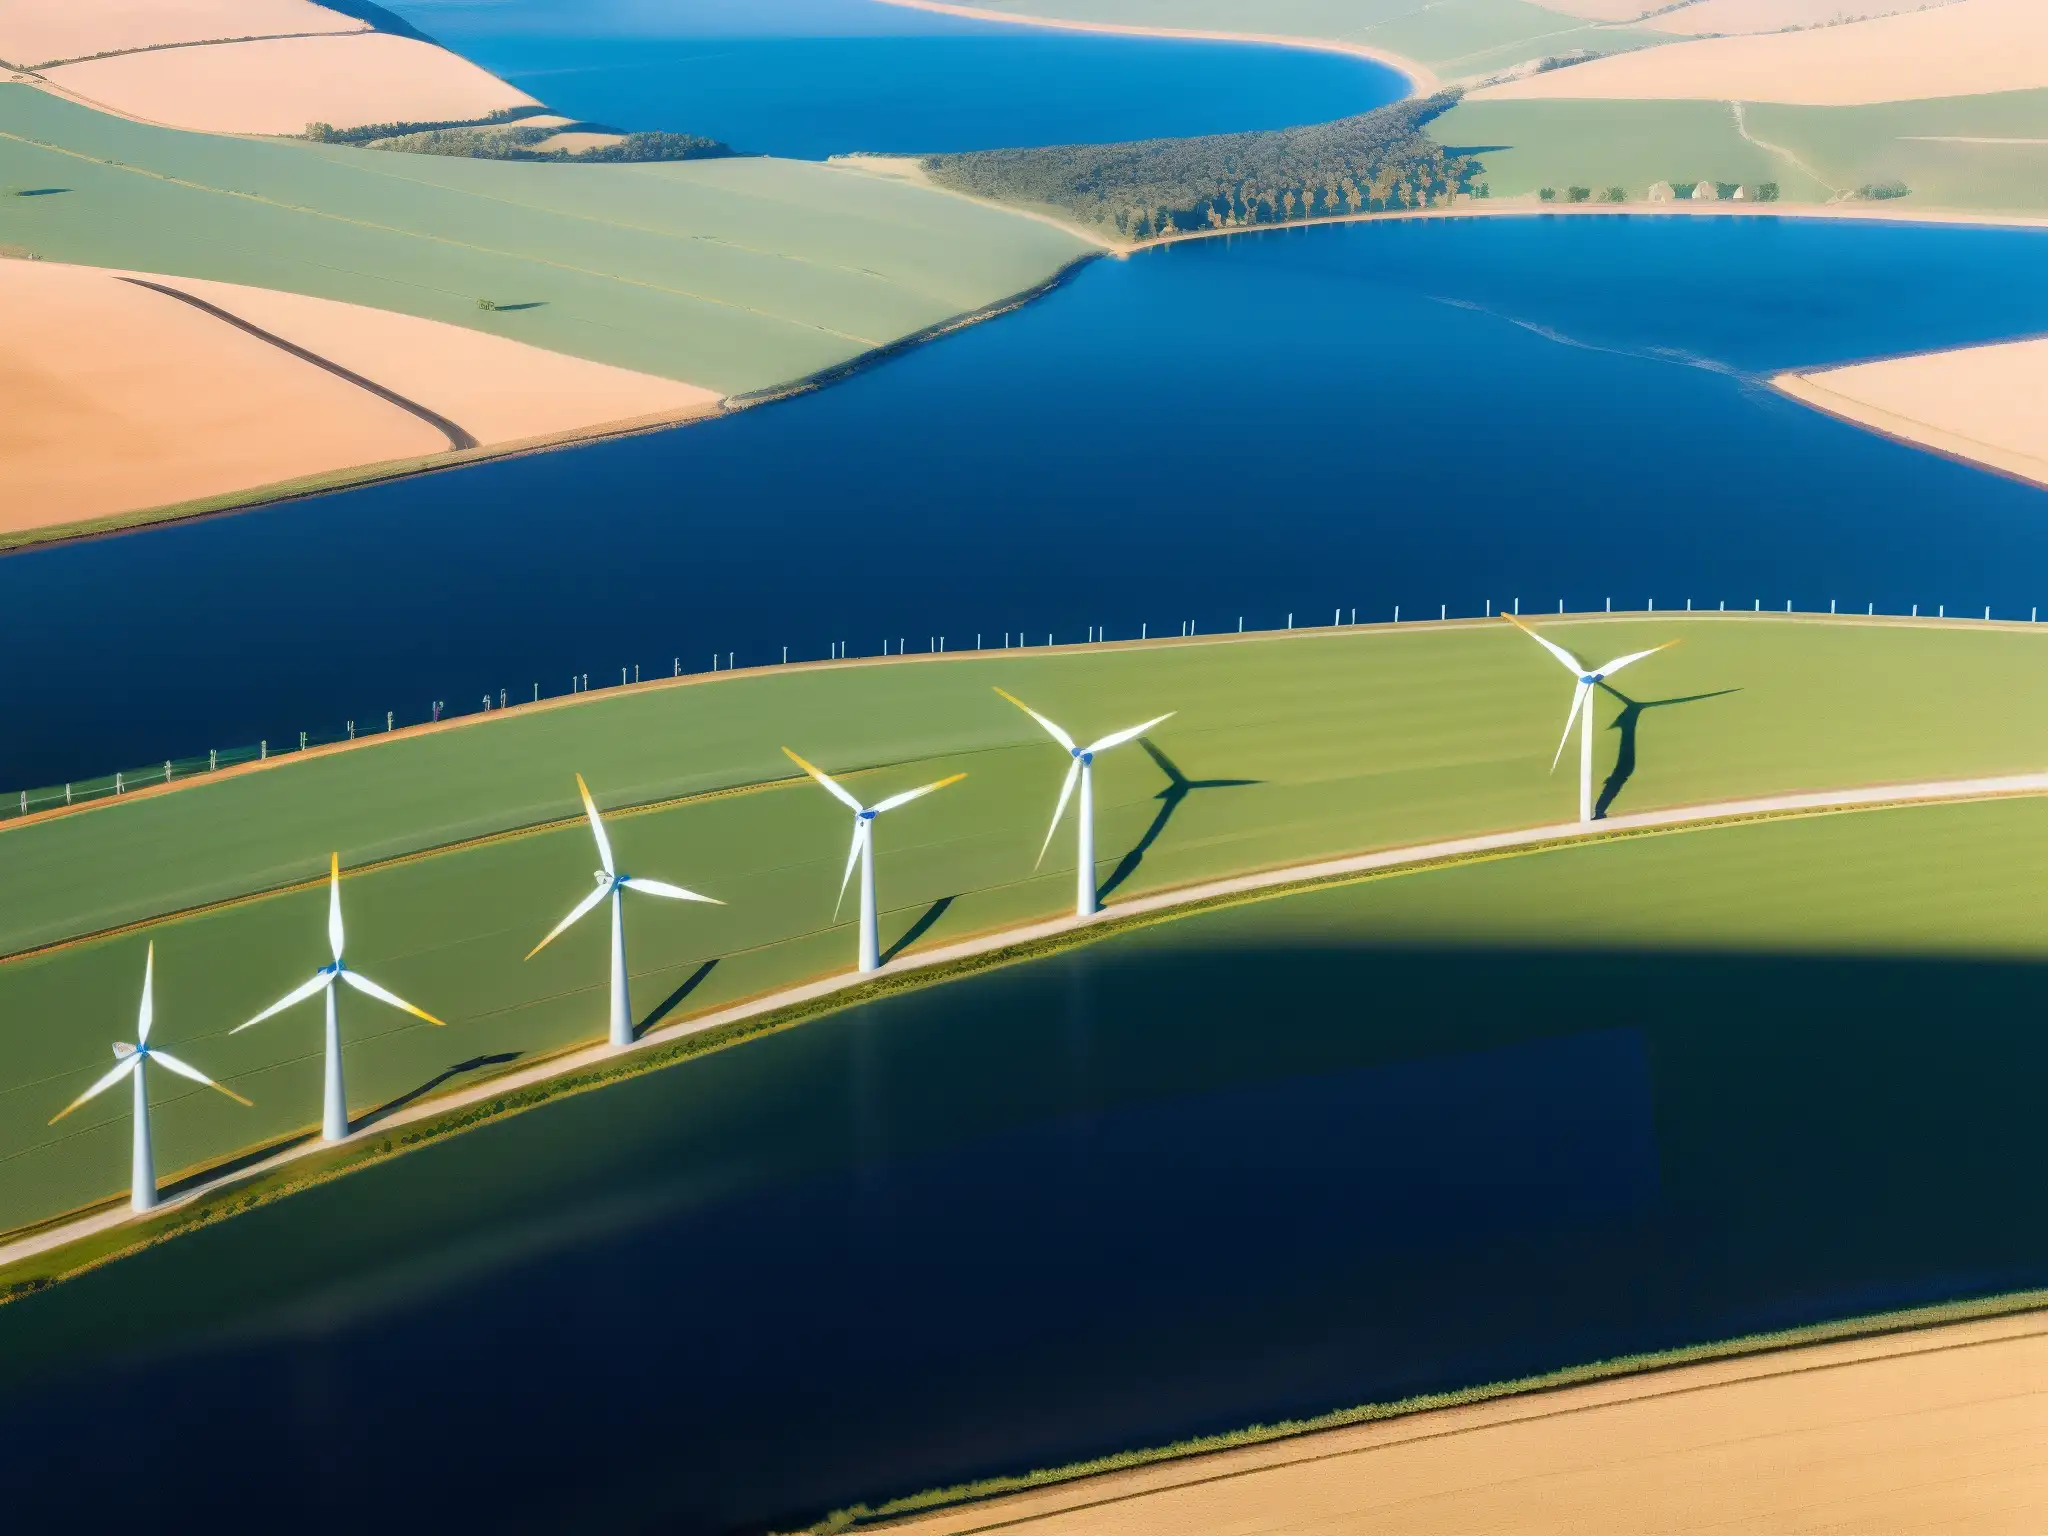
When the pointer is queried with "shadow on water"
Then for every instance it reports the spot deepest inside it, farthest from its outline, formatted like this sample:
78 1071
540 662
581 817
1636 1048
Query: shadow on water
474 1064
1628 722
1178 787
40 191
920 928
1260 1177
674 1000
511 309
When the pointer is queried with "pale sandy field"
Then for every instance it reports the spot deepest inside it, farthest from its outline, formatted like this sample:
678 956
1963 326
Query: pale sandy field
1969 48
114 398
36 32
282 85
1944 1429
1732 16
1985 404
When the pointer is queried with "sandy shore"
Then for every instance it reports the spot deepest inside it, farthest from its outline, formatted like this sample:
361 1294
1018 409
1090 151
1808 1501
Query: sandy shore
1421 78
1938 1429
119 398
1985 405
280 85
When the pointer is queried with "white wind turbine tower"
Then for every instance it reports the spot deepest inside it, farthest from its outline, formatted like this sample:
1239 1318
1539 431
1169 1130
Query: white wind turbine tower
609 882
862 850
1083 771
334 1099
1581 712
130 1062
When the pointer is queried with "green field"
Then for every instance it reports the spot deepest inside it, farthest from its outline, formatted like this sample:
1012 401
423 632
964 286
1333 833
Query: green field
1348 741
737 274
1819 152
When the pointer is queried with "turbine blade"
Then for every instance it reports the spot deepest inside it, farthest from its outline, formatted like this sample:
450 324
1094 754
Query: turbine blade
185 1069
146 1014
1052 730
1578 697
297 994
1118 738
663 888
575 912
334 934
860 832
831 784
128 1064
369 988
922 790
1555 649
604 844
1066 794
1633 656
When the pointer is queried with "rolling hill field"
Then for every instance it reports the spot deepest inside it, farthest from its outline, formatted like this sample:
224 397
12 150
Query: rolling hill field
1284 749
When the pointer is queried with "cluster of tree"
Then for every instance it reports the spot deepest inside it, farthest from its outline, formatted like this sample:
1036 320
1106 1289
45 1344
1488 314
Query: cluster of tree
327 133
518 144
1377 161
1883 189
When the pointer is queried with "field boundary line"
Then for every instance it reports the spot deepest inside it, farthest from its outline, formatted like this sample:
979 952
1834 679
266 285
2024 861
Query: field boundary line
1031 940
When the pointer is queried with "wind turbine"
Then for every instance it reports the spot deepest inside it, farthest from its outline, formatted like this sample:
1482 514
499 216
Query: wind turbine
1083 770
1581 712
129 1062
609 882
334 1118
862 850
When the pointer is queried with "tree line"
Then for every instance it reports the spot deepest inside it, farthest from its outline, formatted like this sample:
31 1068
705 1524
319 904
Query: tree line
1373 162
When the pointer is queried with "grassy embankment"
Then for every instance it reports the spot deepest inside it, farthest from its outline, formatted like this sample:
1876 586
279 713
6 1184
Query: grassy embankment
1349 741
746 275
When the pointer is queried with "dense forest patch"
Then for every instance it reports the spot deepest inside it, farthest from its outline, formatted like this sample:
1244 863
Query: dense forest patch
1140 191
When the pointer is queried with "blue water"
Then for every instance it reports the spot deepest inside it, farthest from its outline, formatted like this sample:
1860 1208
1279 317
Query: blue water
811 78
1180 1182
1293 422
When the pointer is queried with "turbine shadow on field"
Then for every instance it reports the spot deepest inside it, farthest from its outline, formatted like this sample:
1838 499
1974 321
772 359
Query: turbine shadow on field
1628 722
171 1188
674 1000
920 928
510 309
1178 787
474 1064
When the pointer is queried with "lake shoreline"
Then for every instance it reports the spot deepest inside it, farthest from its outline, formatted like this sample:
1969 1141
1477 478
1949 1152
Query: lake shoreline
1420 77
1272 1450
359 476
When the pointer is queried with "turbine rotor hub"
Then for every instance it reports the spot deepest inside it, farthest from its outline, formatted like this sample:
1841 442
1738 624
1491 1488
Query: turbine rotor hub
865 816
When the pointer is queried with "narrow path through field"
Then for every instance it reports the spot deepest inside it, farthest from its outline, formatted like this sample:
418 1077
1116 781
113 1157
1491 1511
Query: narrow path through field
1023 939
458 437
1742 127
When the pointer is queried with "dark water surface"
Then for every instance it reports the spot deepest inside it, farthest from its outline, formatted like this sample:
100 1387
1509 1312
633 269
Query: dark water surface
1361 416
1176 1183
811 78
